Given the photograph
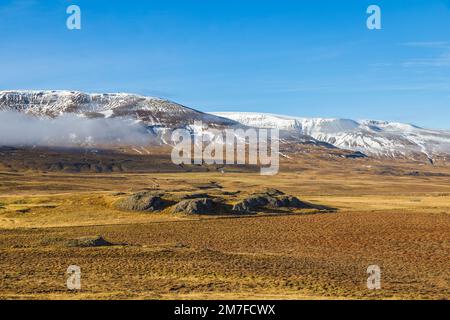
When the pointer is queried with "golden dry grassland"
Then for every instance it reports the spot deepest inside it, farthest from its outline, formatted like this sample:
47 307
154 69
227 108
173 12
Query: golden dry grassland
394 215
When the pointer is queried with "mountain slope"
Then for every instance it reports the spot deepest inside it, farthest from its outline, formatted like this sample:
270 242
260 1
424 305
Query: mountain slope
154 119
153 111
371 137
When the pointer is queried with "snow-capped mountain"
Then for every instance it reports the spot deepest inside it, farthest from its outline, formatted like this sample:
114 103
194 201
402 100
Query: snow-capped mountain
152 111
378 138
148 118
155 116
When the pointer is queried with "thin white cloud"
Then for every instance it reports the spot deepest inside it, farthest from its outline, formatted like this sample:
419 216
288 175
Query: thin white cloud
380 64
440 60
428 44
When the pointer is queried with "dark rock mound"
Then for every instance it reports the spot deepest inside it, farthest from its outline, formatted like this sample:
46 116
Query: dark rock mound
85 242
195 206
290 202
142 201
251 203
271 199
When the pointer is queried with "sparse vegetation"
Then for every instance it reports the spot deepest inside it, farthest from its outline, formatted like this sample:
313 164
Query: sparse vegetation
88 242
401 223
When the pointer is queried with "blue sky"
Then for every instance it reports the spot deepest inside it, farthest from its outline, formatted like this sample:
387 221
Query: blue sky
304 58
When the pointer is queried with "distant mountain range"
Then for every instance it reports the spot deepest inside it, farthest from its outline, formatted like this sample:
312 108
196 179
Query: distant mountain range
160 117
377 138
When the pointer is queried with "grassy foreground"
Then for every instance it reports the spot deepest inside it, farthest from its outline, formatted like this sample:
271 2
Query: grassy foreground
401 223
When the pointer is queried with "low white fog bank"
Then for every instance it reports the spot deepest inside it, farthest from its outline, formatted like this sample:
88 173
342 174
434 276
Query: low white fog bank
69 130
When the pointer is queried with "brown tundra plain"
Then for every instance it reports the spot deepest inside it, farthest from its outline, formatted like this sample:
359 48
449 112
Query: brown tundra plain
358 212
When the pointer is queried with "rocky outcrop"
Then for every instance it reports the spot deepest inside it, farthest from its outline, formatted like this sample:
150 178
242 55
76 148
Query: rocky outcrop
289 202
251 203
84 242
272 198
142 201
195 206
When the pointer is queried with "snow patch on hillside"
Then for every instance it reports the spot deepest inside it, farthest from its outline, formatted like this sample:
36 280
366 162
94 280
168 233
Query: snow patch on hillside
380 138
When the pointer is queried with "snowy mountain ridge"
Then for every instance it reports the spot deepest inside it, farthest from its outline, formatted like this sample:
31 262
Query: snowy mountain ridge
151 110
159 117
379 138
